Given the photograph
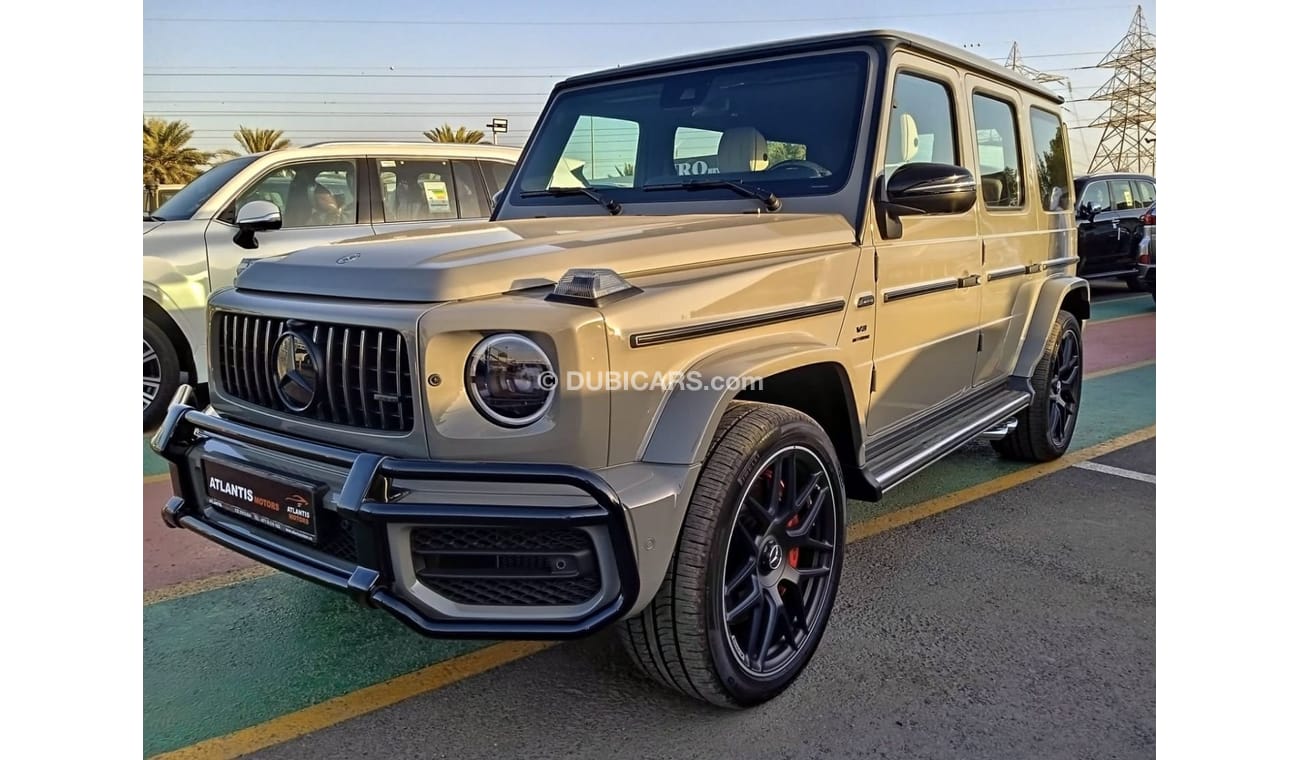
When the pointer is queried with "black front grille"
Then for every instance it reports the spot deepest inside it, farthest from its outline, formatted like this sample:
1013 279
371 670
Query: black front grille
507 566
365 383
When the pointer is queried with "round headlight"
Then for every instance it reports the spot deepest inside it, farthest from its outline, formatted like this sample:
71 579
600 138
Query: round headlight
510 380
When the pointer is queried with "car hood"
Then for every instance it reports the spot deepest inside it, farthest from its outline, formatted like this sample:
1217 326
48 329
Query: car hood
458 262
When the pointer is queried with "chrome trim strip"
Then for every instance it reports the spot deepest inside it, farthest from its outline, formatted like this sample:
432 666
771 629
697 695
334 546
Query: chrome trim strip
672 335
1060 262
909 291
998 274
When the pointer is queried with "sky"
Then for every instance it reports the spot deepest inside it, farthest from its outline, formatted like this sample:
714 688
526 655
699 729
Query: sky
333 70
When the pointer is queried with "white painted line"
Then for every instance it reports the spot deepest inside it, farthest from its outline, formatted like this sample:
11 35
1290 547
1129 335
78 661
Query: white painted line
1117 471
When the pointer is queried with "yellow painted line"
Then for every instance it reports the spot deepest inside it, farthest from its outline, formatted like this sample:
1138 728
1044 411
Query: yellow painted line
189 588
436 676
156 478
1119 369
360 702
955 499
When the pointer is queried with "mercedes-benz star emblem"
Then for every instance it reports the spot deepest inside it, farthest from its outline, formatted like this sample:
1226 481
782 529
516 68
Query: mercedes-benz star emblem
772 555
297 364
349 257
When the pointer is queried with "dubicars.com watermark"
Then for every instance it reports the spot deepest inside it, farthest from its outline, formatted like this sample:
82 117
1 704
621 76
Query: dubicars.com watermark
647 381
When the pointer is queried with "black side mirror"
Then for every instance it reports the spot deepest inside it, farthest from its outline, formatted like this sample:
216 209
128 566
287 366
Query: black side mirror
254 217
1088 212
923 188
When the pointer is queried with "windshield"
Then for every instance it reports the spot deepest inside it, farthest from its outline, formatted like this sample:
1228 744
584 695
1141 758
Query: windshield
788 126
187 200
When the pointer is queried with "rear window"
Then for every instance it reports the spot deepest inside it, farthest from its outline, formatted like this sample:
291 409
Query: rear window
1051 160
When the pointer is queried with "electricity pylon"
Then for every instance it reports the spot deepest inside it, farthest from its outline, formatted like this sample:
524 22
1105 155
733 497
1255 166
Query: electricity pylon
1128 136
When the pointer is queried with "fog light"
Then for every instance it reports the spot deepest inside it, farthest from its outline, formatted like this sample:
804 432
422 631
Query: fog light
591 287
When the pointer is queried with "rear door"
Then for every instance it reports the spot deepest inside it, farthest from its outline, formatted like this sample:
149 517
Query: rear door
1128 222
419 193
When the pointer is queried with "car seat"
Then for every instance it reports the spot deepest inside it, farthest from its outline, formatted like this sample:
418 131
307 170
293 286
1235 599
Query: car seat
742 149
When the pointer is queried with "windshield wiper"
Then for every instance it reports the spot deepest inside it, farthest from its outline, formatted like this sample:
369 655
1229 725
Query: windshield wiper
766 197
611 205
152 218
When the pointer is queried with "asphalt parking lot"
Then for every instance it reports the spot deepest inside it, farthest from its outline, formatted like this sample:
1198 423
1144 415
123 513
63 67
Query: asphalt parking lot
988 609
1019 625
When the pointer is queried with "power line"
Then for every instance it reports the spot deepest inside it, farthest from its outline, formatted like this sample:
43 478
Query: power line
647 22
434 113
318 75
339 92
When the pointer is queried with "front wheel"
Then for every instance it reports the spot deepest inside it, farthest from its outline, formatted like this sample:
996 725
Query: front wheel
1044 428
162 374
756 569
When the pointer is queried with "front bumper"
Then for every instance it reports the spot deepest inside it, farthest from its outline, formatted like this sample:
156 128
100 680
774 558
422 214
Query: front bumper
374 576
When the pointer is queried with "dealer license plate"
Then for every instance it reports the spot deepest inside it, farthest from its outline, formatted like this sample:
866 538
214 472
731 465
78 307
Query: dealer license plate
282 503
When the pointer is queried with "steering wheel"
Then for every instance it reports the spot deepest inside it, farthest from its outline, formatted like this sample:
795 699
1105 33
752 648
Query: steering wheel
814 170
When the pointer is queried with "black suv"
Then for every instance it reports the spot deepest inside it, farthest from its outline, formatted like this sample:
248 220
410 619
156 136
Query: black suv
1110 210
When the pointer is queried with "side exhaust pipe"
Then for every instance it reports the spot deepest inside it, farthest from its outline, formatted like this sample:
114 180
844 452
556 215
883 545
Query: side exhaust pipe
999 432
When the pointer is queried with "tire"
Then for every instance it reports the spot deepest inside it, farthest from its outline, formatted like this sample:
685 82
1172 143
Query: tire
162 374
681 639
1039 435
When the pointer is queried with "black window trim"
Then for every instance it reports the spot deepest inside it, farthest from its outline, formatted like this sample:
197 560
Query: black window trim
981 91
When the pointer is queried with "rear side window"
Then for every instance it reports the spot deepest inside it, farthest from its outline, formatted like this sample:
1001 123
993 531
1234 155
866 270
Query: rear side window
1051 161
497 174
1146 192
1001 181
416 190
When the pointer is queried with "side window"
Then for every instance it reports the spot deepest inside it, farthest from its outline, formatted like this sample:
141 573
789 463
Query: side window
998 141
1098 194
1050 160
920 124
1122 195
312 194
473 204
497 174
1146 193
601 151
695 151
416 190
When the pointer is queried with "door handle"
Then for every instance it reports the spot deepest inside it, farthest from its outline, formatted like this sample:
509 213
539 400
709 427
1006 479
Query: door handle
968 281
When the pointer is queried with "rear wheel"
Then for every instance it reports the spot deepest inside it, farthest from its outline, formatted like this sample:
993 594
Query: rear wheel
1044 428
754 577
162 373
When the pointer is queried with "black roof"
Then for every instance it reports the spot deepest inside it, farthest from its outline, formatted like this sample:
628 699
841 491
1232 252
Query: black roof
957 55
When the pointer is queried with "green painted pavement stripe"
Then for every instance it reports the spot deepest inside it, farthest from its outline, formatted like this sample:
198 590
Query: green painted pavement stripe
1128 306
234 657
153 464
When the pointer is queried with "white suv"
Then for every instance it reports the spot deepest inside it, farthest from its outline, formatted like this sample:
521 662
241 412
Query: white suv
324 193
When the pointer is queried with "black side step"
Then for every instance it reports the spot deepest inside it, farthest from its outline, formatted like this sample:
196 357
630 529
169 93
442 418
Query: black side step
900 455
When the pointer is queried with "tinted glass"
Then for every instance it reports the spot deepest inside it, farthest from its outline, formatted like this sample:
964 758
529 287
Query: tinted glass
496 173
735 122
310 194
1146 192
1051 160
416 190
1001 181
1122 195
469 194
1098 194
920 124
187 200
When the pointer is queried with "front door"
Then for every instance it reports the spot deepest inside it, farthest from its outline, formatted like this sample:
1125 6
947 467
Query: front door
320 202
927 310
1098 235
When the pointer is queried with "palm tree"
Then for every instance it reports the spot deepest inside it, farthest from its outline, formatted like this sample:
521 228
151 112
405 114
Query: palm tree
445 134
168 159
261 140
